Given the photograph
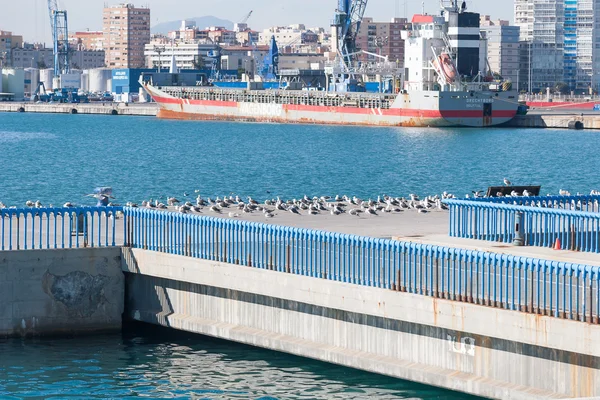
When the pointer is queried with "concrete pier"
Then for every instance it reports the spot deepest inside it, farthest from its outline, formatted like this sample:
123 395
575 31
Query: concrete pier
556 119
386 302
466 347
140 109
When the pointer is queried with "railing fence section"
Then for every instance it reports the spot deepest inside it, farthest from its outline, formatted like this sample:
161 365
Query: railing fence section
589 203
58 228
551 288
575 230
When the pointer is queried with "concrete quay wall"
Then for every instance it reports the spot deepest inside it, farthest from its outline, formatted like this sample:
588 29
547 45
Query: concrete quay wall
86 108
550 120
55 292
484 351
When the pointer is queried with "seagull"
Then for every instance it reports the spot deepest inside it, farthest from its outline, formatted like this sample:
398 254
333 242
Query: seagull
507 182
563 192
233 215
172 201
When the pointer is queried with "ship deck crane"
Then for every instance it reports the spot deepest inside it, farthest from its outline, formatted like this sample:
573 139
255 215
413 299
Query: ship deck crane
60 37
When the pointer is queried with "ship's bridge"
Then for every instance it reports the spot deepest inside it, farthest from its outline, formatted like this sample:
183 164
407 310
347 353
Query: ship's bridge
425 26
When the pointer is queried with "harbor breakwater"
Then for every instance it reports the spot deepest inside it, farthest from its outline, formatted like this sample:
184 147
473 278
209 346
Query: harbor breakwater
537 119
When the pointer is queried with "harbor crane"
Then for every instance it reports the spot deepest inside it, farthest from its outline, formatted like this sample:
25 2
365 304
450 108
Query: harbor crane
348 18
246 18
60 37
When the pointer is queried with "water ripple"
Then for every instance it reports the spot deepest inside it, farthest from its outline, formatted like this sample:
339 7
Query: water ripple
15 136
165 364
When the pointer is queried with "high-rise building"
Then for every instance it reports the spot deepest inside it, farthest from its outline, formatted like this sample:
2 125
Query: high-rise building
126 31
381 38
542 38
502 47
581 43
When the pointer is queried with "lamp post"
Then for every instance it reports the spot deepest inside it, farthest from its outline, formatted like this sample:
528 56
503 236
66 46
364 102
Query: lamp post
529 44
159 50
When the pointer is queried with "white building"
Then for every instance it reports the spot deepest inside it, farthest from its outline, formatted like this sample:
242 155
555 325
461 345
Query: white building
187 55
288 36
541 24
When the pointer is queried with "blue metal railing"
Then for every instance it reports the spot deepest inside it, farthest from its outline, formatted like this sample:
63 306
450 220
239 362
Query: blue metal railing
576 230
552 288
58 228
576 203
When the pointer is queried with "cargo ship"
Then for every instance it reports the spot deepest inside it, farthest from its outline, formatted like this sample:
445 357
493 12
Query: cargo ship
441 84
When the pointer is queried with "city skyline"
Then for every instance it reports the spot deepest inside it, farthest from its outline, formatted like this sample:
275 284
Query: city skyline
88 14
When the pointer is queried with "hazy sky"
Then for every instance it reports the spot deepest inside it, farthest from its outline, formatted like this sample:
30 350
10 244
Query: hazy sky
30 17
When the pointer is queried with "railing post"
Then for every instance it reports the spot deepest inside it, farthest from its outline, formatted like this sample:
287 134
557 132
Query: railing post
519 240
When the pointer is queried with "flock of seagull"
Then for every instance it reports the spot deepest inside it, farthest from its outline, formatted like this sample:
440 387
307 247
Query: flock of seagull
235 206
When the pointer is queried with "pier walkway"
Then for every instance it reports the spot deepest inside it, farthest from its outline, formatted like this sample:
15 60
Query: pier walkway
392 294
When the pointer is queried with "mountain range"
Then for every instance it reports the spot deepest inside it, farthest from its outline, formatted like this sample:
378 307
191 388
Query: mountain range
201 22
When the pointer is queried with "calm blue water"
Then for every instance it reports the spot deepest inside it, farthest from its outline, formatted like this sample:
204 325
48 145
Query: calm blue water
158 363
55 158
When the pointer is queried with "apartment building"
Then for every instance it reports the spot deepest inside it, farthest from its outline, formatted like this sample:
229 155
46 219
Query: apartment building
502 47
381 38
126 30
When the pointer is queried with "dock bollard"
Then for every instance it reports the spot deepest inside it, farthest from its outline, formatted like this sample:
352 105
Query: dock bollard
519 240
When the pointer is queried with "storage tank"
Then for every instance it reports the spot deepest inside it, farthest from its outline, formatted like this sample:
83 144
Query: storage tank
46 76
85 81
99 78
15 82
32 79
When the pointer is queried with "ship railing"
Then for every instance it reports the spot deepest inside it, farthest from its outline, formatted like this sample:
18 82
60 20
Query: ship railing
551 222
557 289
59 228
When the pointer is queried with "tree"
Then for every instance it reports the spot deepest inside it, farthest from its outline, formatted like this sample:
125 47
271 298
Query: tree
562 88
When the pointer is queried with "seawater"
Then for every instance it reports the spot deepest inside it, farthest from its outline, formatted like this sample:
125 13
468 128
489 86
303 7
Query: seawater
56 158
155 363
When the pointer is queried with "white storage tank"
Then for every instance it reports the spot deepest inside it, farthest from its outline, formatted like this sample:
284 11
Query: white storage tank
32 79
99 78
46 76
15 82
85 81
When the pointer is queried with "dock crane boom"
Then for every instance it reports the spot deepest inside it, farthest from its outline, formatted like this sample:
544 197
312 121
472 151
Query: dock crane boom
246 18
60 37
348 18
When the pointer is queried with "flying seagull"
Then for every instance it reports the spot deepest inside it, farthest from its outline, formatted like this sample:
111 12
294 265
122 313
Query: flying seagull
507 182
